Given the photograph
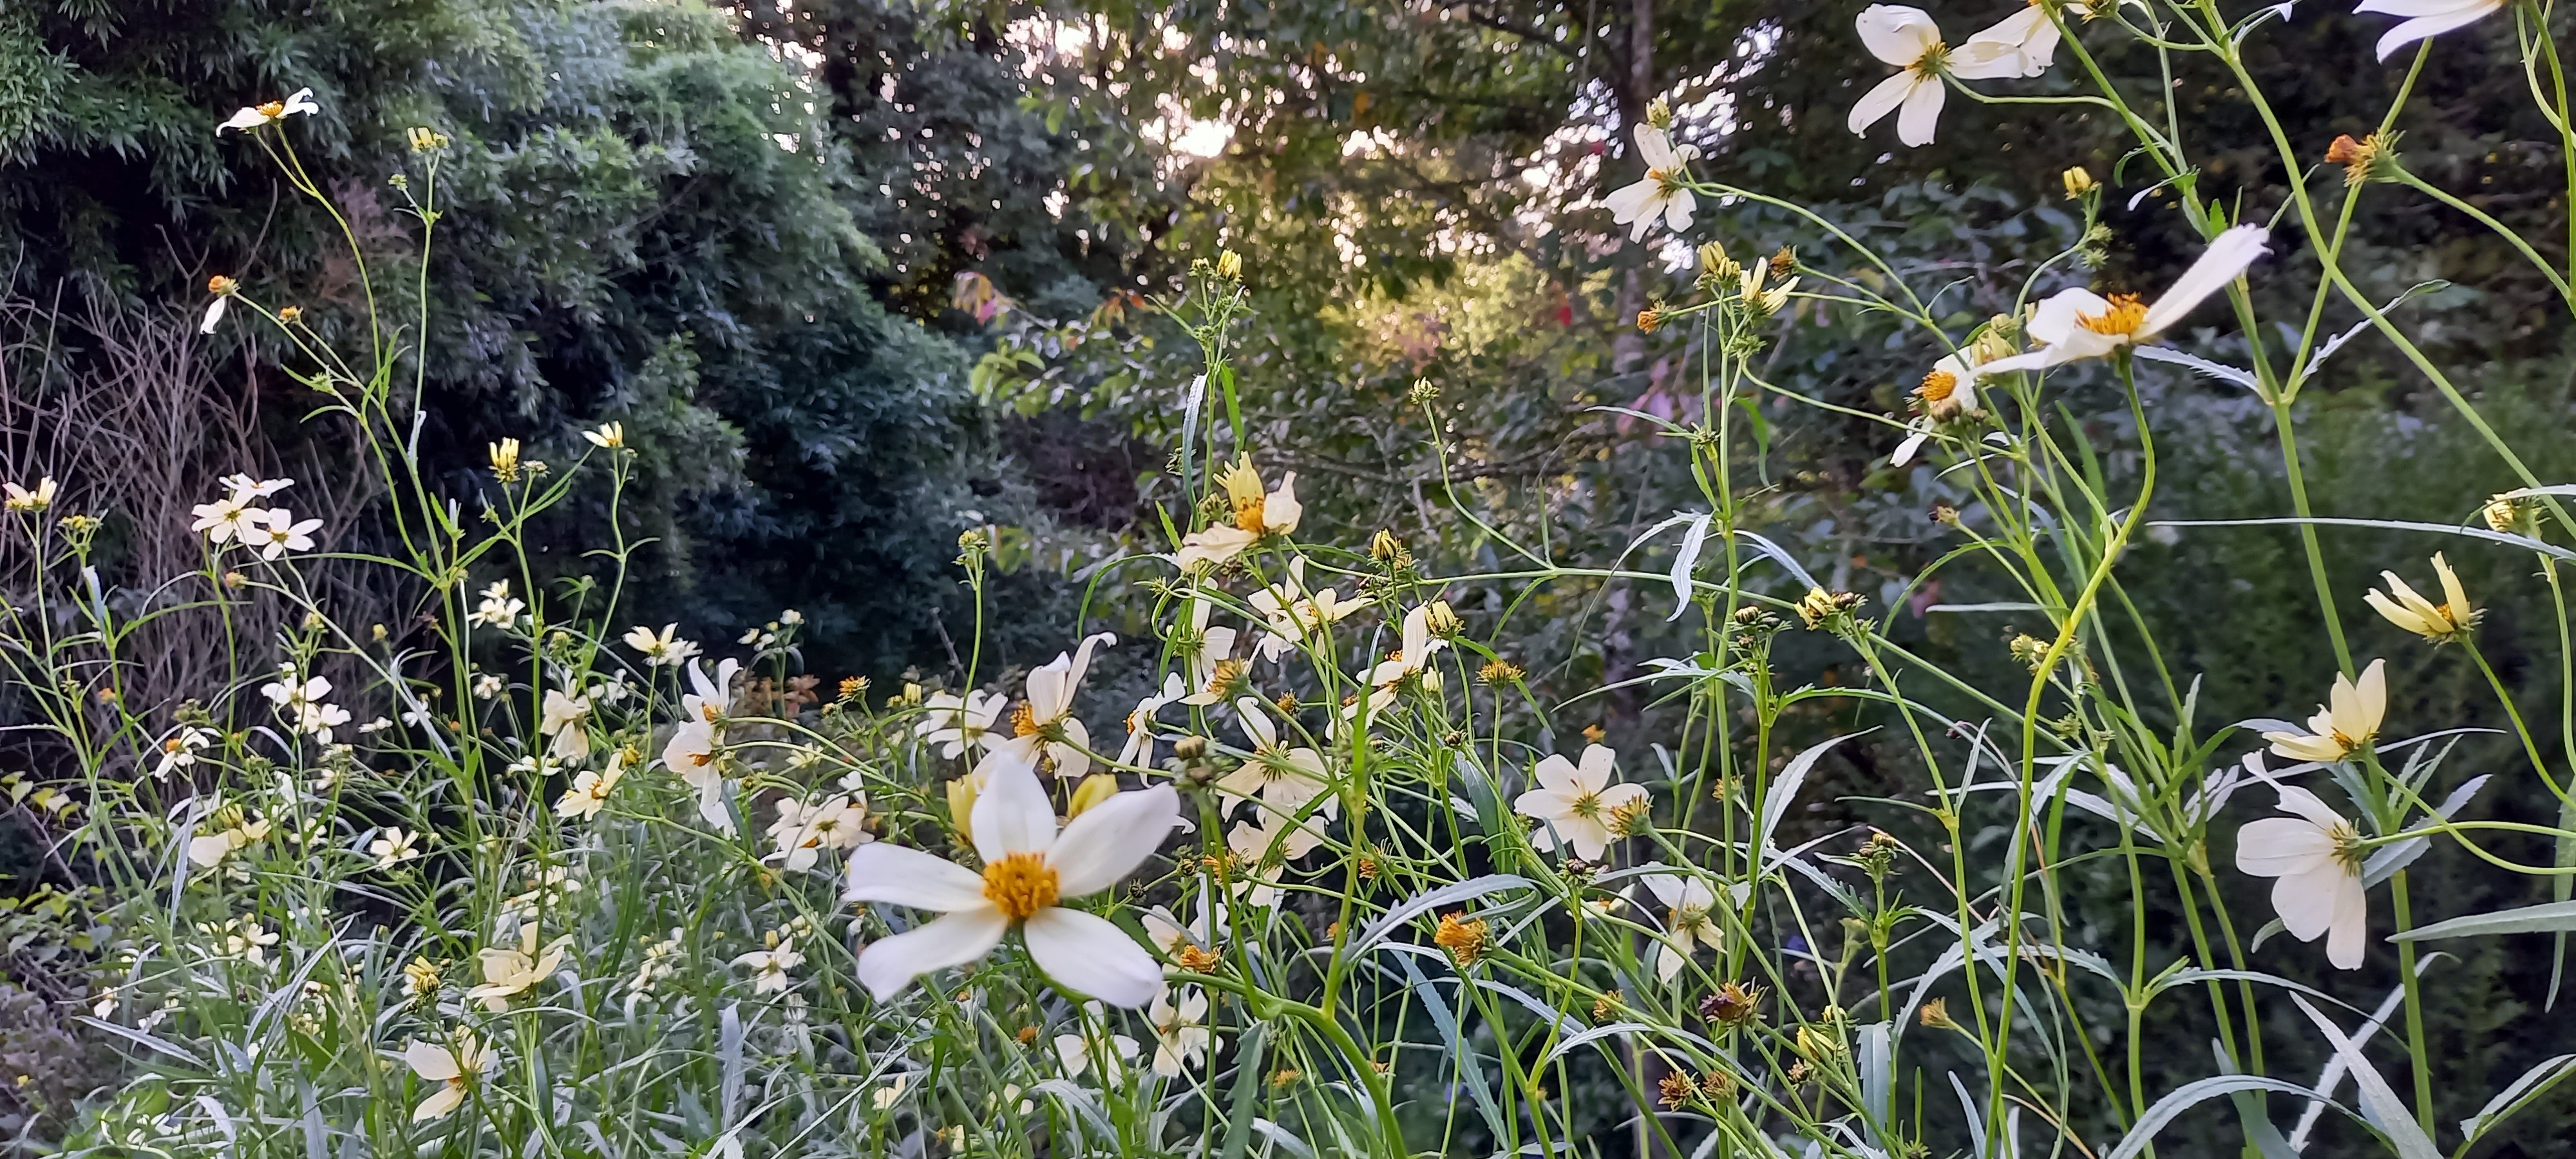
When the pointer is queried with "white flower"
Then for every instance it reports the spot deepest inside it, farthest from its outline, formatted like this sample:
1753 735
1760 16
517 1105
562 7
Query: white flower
708 699
227 518
208 850
1660 193
276 532
1256 514
955 724
1286 779
1414 658
487 686
2348 720
1046 733
769 968
562 720
802 832
2426 18
2078 323
2023 44
691 753
1292 614
1687 902
663 650
246 487
1028 868
1164 929
1139 749
609 436
509 972
23 500
1181 1036
180 750
497 609
1075 1052
888 1095
261 116
449 1066
1266 845
589 791
1573 804
394 847
1907 38
2316 857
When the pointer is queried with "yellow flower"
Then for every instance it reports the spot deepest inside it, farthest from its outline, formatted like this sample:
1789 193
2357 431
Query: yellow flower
1096 788
2441 623
505 459
2348 721
2078 182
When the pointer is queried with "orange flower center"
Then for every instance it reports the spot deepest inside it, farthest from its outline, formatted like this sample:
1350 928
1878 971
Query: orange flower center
1937 386
1248 513
1020 885
1024 720
273 110
2122 318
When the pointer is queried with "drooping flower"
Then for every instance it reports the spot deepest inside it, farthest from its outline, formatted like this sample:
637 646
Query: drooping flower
509 971
452 1066
1256 513
1413 659
802 832
1660 193
262 115
2316 859
2077 323
1207 653
2426 18
694 749
2024 42
2441 623
607 436
1028 868
1687 925
1292 612
1181 1036
1285 778
1907 38
1573 803
562 720
22 500
1045 732
663 650
1139 749
2348 720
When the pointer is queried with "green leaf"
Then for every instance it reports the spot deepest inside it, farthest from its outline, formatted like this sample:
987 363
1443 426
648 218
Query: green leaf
2548 917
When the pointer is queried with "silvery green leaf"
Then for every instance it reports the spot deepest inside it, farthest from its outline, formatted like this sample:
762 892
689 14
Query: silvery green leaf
1693 539
2184 1097
2546 917
2520 1091
2379 1103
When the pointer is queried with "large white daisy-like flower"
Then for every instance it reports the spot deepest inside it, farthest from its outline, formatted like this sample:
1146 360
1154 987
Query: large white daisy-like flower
1284 778
1907 38
1573 803
1660 193
1044 731
2077 323
2426 18
2316 859
2348 720
1028 868
451 1067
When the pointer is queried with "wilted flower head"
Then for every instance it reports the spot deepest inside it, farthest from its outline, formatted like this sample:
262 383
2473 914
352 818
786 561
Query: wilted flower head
2441 623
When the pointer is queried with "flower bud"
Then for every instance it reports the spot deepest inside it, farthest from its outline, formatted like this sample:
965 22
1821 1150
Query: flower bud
1096 788
2079 182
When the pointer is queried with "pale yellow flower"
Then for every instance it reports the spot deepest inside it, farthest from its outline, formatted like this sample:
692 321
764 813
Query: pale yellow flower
2441 623
2348 721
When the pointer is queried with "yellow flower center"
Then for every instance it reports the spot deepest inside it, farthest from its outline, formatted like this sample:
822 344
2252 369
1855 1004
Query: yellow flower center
273 110
1666 180
2121 319
1247 516
1024 720
1937 386
1020 885
1587 806
702 760
2347 847
1931 62
172 745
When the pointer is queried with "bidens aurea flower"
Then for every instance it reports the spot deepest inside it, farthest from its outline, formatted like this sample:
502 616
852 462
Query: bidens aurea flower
2316 859
2349 719
509 972
1573 803
1045 734
1029 867
1688 903
1256 513
451 1067
2426 18
2025 42
2441 623
267 113
2077 323
1907 38
1660 193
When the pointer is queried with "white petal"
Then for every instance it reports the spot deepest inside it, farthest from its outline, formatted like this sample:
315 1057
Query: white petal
2351 923
214 314
1599 762
2306 901
1922 112
431 1061
1879 101
1895 33
1587 837
1557 774
1655 147
2306 804
1091 955
1905 450
1110 839
889 964
882 871
1256 723
2281 847
1667 887
1012 815
2227 256
1543 804
439 1104
2422 28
